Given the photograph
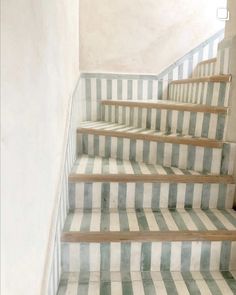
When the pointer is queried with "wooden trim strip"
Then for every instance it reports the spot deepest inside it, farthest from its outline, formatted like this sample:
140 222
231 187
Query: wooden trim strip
167 106
218 78
203 142
207 61
100 237
189 178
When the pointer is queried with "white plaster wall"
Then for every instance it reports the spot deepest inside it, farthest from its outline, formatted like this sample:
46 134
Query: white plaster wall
142 36
40 63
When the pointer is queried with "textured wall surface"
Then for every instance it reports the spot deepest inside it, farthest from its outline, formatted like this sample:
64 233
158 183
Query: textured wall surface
39 71
142 36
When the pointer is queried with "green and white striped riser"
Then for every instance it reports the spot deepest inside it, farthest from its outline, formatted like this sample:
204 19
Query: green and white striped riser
223 56
139 220
200 124
206 68
148 283
184 156
138 195
209 93
149 256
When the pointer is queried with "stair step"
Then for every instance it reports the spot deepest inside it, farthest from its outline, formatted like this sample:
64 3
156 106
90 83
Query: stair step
124 131
128 143
214 78
148 283
89 168
156 195
166 105
211 90
117 225
167 116
159 256
206 68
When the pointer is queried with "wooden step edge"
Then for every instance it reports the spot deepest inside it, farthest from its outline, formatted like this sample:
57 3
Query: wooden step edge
207 61
147 178
217 78
161 236
203 142
167 106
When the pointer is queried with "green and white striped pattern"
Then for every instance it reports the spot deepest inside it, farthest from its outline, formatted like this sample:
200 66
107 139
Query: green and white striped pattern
148 283
149 256
139 220
205 69
198 124
209 93
138 195
201 159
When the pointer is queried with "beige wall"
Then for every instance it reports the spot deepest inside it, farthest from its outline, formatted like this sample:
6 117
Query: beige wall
142 36
230 29
39 71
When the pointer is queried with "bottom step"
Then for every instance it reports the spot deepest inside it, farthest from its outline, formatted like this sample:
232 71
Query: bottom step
148 283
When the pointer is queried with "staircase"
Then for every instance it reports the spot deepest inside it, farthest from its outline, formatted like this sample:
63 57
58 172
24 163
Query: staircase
151 196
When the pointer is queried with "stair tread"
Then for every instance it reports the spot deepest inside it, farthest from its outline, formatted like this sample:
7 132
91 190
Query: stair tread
111 169
148 220
166 104
148 282
125 131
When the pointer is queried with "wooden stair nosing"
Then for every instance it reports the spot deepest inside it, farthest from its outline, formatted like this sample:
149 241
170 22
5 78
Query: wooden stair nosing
189 178
203 142
207 61
156 236
216 78
166 106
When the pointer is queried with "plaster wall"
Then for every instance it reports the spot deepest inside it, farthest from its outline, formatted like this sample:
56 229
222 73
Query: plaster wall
40 67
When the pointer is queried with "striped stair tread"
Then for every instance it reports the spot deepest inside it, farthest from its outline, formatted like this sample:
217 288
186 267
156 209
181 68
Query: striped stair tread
148 283
212 91
166 105
206 68
89 168
156 195
119 130
145 145
148 220
167 116
149 255
214 78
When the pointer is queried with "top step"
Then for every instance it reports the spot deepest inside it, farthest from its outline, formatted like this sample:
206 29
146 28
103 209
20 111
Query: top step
216 78
205 68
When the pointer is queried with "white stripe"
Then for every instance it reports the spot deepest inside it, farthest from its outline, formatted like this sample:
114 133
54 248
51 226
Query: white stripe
147 195
156 256
199 155
175 264
133 222
94 289
167 154
97 167
151 220
114 221
164 192
95 220
96 194
94 253
135 256
195 257
82 165
130 196
114 89
126 147
215 255
115 256
181 191
74 256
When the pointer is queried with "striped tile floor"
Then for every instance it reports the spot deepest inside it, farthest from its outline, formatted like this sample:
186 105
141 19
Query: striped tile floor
150 220
148 283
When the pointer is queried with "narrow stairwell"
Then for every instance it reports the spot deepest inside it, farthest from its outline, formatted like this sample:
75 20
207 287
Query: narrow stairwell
151 196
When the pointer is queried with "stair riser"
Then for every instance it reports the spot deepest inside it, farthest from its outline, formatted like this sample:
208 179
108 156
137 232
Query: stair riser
205 69
189 157
183 122
156 256
210 93
150 195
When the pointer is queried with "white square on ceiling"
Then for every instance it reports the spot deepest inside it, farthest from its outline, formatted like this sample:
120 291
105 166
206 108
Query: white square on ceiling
222 13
